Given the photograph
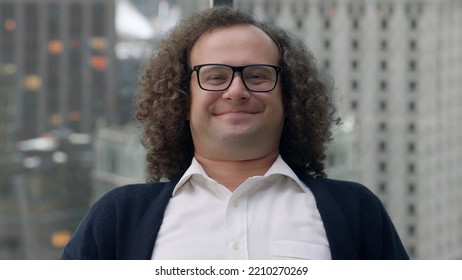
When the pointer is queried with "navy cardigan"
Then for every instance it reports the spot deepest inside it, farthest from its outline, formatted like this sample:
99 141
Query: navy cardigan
125 222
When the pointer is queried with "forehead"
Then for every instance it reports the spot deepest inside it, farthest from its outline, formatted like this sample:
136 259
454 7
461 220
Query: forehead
236 44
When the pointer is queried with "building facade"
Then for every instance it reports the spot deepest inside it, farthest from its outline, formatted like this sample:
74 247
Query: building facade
6 108
119 159
56 79
398 74
63 59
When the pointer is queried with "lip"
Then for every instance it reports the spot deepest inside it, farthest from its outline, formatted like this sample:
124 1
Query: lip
236 113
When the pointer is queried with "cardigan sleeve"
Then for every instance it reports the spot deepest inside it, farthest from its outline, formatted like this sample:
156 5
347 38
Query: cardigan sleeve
107 230
111 228
371 228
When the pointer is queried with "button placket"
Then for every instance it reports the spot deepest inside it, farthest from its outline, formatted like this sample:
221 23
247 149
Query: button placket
236 227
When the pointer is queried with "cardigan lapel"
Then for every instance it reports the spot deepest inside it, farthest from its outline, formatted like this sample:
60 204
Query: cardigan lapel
338 232
146 232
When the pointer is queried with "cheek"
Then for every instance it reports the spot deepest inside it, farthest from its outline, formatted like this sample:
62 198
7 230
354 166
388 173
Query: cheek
202 99
199 104
193 101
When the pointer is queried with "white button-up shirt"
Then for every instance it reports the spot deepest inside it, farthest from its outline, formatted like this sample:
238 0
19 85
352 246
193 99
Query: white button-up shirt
267 217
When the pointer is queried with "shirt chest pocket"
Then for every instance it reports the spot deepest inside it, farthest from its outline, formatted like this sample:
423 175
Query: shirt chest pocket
290 249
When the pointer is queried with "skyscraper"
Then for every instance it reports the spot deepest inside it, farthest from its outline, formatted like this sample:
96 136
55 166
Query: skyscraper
397 70
63 59
57 79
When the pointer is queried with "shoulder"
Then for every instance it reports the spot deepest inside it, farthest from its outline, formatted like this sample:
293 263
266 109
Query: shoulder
134 193
346 193
348 188
128 202
106 229
351 209
356 203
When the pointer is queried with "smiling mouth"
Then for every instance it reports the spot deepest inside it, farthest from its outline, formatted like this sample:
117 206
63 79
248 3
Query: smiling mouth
237 114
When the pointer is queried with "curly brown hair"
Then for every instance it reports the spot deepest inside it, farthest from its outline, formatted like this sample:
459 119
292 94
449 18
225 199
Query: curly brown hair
164 101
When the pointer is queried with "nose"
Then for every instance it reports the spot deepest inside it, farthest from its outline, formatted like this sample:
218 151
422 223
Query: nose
237 92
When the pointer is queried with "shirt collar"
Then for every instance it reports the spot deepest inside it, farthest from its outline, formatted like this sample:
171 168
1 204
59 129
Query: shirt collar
194 169
279 167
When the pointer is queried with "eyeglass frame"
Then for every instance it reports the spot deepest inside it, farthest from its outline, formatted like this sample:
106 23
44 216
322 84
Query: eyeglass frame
235 69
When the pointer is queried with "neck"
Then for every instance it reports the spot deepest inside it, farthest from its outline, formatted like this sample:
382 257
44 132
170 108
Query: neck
232 173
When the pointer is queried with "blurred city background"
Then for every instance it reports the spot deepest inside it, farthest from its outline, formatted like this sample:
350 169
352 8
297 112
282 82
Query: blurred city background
68 77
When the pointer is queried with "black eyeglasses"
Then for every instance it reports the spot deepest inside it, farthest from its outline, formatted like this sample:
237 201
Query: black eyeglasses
256 77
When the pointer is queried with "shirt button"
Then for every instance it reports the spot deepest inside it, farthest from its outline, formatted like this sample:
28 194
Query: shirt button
235 203
236 246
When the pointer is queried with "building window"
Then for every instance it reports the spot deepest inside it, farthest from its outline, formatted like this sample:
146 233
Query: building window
382 147
411 106
326 64
411 168
384 24
411 127
382 167
355 44
383 105
411 147
382 188
410 188
326 24
412 86
411 230
354 64
412 65
355 24
413 45
383 45
326 44
383 127
299 24
411 209
413 24
354 105
383 65
383 85
354 85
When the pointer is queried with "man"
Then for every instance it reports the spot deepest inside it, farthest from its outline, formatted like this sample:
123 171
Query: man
237 117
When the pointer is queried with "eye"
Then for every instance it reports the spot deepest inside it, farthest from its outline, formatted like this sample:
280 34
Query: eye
258 75
215 79
215 75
